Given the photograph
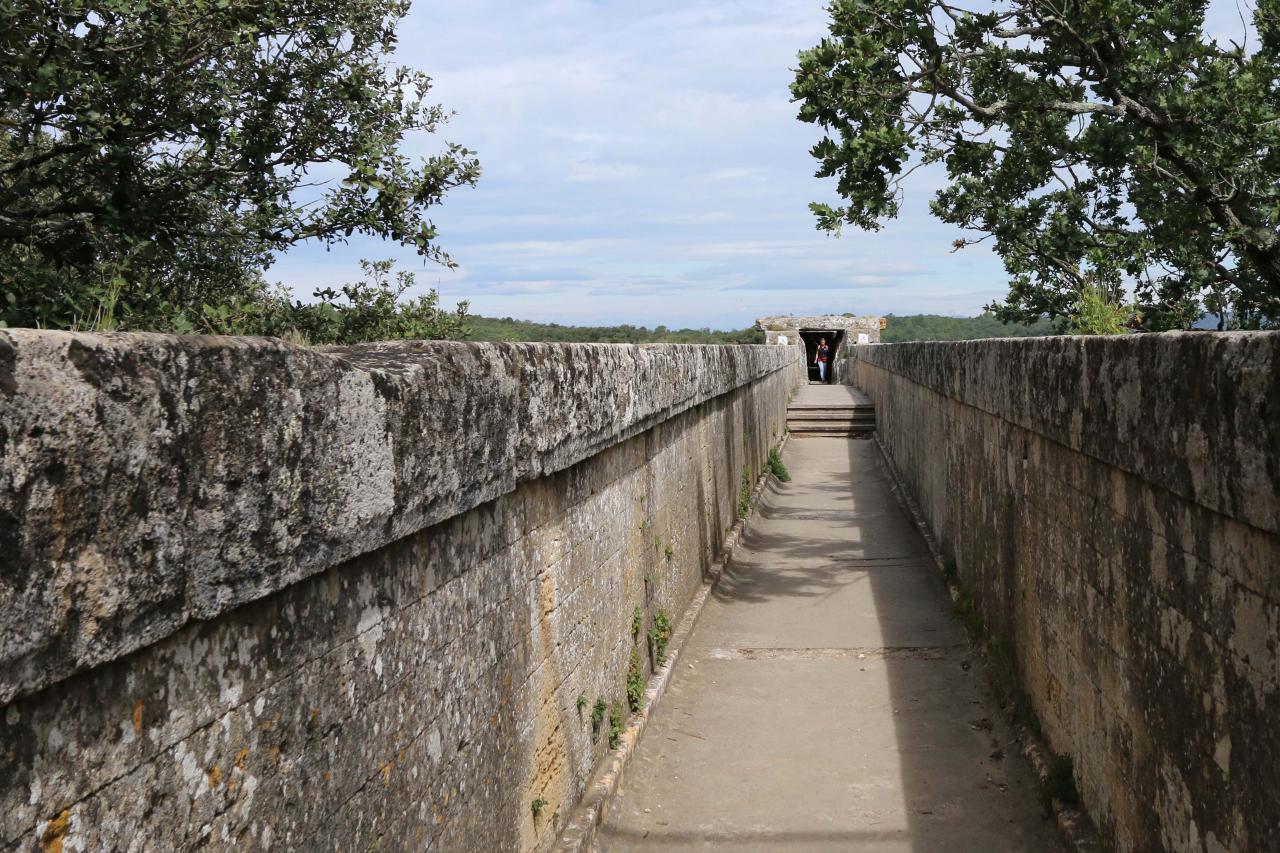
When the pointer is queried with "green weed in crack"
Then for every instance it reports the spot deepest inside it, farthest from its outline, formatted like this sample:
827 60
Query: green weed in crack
1059 783
660 634
635 682
777 467
615 726
597 717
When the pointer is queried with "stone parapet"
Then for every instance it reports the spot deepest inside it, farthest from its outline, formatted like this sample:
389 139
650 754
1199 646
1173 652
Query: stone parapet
149 480
1112 505
1195 413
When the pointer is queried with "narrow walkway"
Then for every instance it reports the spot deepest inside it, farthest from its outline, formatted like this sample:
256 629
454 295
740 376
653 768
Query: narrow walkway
826 699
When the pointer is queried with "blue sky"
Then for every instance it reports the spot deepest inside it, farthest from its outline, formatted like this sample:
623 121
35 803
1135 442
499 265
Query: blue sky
643 164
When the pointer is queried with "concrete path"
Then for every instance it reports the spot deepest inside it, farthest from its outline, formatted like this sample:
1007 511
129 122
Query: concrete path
826 699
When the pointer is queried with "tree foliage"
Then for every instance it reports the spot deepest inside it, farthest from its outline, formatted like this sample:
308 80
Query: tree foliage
1095 313
1101 144
371 309
162 151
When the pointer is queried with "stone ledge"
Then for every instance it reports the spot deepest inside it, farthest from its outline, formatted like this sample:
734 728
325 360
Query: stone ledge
1196 413
148 480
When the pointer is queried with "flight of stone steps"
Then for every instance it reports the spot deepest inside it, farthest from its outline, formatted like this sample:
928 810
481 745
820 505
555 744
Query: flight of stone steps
831 410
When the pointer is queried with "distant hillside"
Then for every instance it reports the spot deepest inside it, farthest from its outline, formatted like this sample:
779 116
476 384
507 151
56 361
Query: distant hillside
913 327
507 329
932 327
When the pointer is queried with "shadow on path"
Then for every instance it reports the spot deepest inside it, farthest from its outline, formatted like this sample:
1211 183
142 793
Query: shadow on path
827 699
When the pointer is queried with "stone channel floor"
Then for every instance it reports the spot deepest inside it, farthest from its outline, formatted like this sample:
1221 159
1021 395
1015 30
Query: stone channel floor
826 699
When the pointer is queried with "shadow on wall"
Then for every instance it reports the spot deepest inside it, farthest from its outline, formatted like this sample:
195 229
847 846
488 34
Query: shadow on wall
1129 570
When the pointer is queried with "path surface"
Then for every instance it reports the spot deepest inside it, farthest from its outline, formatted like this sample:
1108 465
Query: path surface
826 699
816 395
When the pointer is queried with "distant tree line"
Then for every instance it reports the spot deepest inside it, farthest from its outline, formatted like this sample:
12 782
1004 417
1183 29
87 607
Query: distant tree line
915 327
933 327
508 329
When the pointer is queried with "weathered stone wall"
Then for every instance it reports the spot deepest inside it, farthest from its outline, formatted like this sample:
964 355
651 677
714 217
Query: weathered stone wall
1114 505
262 597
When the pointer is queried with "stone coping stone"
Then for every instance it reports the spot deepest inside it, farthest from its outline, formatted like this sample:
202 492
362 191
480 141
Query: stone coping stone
149 480
1197 413
823 321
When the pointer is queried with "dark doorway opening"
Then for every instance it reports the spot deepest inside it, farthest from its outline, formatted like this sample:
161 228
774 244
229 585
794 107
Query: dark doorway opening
811 337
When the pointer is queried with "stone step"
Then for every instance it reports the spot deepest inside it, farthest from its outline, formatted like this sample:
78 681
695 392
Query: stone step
845 430
841 433
830 428
830 404
830 414
865 415
795 409
859 417
832 417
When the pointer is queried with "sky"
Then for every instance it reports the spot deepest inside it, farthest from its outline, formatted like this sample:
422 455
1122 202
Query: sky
643 164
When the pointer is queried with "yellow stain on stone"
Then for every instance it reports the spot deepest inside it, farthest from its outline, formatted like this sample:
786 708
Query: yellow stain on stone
547 749
242 758
215 776
51 840
137 717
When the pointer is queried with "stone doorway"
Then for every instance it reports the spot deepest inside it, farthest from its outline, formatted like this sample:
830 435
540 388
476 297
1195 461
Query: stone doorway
835 340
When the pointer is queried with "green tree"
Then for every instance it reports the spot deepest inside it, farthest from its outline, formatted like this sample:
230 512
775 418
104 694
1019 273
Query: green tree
371 309
1099 143
156 154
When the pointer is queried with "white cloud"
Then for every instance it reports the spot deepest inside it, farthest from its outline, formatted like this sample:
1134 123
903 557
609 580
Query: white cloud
590 171
643 164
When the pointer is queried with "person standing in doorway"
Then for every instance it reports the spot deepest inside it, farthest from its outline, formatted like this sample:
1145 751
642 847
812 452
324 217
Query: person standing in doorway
820 358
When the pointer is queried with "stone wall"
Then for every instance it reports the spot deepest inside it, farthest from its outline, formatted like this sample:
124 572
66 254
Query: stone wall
264 597
1113 504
